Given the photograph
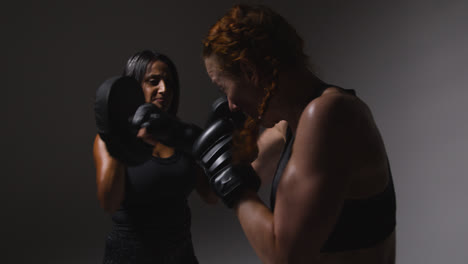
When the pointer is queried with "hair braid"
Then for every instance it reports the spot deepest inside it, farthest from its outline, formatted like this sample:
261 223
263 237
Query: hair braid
245 140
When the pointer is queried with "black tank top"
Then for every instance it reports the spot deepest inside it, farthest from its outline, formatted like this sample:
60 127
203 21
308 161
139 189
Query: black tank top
155 203
362 223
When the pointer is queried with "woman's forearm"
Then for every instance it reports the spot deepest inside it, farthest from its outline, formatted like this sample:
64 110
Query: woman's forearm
257 222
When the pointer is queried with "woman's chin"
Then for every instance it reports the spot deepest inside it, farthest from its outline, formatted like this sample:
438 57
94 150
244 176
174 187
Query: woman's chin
159 105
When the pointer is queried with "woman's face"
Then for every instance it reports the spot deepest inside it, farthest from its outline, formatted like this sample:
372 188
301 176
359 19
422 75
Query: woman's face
158 85
241 93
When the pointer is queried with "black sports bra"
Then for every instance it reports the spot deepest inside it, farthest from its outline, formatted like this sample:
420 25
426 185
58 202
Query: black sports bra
362 223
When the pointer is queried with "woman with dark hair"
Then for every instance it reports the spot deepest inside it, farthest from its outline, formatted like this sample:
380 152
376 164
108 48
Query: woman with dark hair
332 198
138 67
148 202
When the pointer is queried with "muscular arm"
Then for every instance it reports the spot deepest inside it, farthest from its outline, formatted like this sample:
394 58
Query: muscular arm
270 145
110 177
311 191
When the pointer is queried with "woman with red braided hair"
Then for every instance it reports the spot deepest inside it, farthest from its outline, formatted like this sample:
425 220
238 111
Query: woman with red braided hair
332 198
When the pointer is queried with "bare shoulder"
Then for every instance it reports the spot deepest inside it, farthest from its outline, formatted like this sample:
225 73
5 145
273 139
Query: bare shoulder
329 131
339 128
333 103
332 110
100 153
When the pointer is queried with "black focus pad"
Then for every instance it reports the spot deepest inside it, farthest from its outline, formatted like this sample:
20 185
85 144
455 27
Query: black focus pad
117 99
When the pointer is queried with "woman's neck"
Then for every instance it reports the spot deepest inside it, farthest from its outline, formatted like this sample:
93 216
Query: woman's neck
299 88
162 151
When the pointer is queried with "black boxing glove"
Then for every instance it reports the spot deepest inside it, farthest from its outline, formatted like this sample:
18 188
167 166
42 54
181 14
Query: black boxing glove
165 128
220 109
213 152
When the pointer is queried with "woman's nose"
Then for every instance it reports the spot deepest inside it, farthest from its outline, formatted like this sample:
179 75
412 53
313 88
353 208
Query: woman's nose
232 106
162 86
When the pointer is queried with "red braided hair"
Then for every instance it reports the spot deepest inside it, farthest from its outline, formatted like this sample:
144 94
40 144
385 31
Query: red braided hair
254 37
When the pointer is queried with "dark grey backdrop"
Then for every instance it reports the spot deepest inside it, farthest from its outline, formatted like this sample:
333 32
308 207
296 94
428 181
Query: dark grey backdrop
407 59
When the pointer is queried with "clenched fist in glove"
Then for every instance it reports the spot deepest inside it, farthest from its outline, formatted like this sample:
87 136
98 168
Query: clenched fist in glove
165 128
213 151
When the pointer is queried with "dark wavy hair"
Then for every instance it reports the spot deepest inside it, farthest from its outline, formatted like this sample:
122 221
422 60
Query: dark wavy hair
137 66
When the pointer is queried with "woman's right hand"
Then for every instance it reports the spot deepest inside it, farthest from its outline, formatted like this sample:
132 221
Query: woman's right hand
270 145
110 177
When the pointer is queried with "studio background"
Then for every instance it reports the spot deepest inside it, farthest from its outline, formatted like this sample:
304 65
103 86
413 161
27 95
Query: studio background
406 59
